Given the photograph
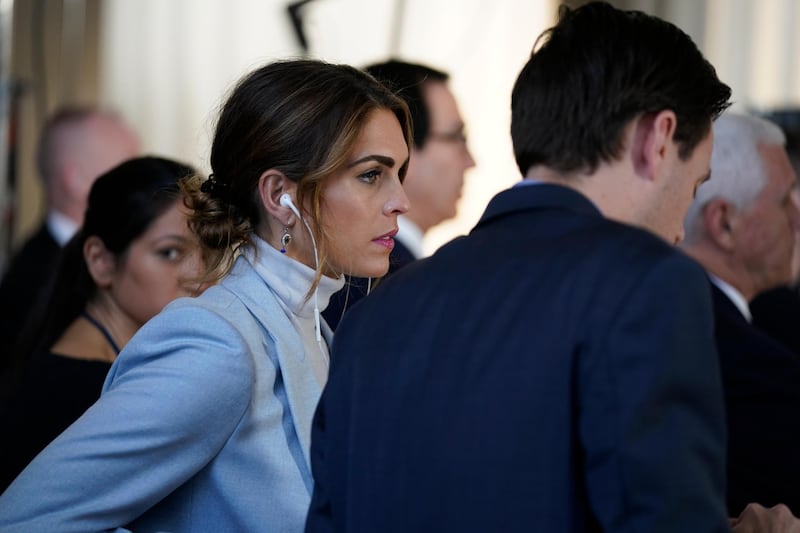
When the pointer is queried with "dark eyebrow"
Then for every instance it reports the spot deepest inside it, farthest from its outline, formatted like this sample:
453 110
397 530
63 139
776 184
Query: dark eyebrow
382 159
174 237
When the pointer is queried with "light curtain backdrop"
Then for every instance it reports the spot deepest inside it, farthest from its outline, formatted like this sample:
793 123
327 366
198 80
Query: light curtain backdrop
166 65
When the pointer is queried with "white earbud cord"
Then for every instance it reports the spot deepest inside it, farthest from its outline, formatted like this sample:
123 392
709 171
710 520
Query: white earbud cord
286 201
347 297
317 325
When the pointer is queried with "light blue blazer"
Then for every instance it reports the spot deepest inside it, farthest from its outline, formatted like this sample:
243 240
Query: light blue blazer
203 425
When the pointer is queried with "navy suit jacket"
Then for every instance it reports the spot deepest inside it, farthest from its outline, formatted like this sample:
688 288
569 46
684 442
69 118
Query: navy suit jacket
777 312
356 288
552 371
29 278
761 378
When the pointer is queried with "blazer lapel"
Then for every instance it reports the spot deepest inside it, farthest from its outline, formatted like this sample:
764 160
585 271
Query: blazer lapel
302 389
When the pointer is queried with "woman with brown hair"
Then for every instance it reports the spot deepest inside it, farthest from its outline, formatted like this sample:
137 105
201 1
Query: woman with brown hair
204 422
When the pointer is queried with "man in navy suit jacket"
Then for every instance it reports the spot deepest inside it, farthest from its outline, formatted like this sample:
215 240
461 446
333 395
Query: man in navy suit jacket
777 311
742 228
555 369
435 173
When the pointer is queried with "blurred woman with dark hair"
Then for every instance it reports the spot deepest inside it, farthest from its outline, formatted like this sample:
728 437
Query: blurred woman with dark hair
134 254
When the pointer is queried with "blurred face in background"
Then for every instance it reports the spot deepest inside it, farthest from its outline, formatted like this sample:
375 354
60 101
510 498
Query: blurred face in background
88 151
766 230
162 264
436 171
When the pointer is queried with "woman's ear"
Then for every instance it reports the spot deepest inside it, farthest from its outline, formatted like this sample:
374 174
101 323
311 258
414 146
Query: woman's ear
271 186
100 262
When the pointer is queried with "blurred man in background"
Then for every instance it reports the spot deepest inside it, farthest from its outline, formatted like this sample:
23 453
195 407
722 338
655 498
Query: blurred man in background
742 227
777 311
77 145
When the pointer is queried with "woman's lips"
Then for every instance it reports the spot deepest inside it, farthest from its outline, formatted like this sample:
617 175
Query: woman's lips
386 240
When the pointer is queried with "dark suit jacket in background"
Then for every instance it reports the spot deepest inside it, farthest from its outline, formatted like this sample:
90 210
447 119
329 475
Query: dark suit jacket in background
30 273
777 312
761 378
554 371
356 288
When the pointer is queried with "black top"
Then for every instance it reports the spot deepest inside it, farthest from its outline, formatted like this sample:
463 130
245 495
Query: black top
54 392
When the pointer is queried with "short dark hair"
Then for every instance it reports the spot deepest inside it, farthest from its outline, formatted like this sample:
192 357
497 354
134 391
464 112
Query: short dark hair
597 69
407 80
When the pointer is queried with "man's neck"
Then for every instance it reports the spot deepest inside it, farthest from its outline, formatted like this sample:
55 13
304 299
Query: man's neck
721 267
421 216
608 188
410 235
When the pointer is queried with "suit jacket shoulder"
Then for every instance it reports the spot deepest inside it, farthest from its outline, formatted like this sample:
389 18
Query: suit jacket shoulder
761 379
775 312
558 354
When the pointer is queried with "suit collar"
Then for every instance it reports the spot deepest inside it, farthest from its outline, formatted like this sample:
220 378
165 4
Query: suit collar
537 196
733 294
726 306
61 227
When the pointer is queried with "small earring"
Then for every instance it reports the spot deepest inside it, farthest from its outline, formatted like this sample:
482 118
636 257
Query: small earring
286 238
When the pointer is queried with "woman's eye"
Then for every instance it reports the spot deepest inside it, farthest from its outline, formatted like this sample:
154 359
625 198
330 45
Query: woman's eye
370 176
170 254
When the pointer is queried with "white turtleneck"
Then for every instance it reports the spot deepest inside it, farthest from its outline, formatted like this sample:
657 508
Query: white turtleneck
290 280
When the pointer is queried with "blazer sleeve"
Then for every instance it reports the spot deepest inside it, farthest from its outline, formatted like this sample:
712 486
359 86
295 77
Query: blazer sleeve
171 400
652 419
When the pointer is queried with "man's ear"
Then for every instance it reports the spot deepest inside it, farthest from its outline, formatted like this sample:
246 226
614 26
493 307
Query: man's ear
653 140
718 215
271 185
100 262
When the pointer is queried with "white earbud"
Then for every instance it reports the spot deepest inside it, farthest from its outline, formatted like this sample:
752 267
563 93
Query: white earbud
286 201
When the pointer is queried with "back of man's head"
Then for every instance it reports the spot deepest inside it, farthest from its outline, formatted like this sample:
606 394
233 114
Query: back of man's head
594 72
407 80
76 146
737 170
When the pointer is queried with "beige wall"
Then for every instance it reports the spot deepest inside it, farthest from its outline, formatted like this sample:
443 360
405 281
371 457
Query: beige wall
181 77
165 64
56 67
